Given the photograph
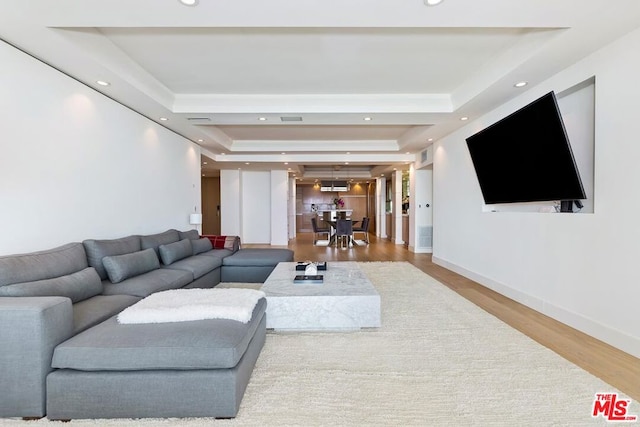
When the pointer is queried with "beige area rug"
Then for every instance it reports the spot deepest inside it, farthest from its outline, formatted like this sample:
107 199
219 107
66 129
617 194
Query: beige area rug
438 360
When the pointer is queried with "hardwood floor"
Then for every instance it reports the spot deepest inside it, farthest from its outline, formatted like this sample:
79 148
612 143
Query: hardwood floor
613 366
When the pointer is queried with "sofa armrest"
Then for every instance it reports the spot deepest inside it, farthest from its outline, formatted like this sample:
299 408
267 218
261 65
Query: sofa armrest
31 328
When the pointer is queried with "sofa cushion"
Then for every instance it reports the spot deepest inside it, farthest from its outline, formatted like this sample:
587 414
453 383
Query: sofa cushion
95 310
121 267
201 245
231 243
200 344
155 240
77 286
259 257
98 249
191 234
148 283
175 251
56 262
197 265
218 253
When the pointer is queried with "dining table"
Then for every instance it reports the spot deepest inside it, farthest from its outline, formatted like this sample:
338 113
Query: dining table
333 236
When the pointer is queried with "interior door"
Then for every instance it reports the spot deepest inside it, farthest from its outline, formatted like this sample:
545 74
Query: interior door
371 206
211 205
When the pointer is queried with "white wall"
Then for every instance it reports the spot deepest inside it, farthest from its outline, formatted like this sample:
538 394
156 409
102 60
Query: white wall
256 207
253 205
578 114
579 269
76 165
279 207
230 206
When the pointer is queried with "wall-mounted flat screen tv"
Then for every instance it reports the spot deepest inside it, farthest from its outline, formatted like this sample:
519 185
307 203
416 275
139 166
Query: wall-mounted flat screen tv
526 157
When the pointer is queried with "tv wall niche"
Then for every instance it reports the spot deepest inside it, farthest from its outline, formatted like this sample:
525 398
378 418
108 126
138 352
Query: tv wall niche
577 108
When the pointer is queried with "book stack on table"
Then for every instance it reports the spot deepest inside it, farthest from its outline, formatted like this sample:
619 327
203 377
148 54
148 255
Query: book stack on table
308 280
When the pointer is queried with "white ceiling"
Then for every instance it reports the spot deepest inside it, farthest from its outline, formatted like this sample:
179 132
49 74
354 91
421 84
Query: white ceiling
214 69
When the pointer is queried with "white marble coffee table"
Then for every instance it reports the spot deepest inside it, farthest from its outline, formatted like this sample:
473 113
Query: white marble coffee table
345 300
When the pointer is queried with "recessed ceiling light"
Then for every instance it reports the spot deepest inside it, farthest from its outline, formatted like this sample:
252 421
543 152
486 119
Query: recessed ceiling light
205 163
346 163
103 83
262 119
286 163
521 84
247 163
164 119
189 2
430 139
201 140
464 118
432 2
367 119
283 153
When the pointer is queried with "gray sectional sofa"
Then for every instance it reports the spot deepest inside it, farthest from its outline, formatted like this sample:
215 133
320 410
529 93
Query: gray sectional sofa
64 355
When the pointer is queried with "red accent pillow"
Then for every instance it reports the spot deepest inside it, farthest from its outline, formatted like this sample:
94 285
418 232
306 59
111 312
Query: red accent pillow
231 243
217 241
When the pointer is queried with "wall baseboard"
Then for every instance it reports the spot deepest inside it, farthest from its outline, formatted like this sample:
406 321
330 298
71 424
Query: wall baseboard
420 250
611 336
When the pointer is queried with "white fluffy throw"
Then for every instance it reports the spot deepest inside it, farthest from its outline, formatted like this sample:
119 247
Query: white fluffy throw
182 305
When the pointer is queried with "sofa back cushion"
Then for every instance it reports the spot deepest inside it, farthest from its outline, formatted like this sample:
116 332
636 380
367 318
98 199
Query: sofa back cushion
201 245
98 249
56 262
121 267
191 234
175 251
154 241
77 286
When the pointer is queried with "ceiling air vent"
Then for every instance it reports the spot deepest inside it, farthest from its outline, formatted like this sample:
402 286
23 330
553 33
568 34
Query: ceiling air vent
199 119
334 186
291 119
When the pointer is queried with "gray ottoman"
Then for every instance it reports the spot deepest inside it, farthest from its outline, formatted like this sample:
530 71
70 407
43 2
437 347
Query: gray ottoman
181 369
253 265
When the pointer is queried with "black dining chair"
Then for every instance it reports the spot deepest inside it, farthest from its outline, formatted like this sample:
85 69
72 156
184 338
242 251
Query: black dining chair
344 231
364 229
319 231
